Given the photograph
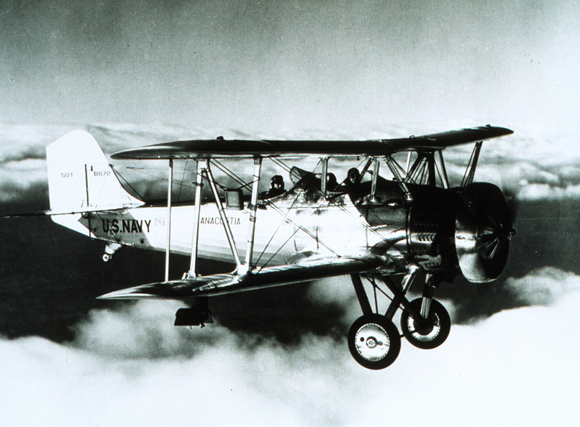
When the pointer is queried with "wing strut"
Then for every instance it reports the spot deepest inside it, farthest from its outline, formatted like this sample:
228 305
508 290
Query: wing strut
323 177
366 167
440 165
375 177
197 214
253 209
169 191
393 166
470 171
223 217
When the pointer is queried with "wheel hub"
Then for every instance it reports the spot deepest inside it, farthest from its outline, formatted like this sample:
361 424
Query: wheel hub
372 342
423 326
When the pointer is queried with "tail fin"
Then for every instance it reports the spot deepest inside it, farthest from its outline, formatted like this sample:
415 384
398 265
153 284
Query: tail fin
80 178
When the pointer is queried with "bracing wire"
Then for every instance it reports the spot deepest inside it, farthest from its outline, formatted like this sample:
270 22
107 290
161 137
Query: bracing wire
182 180
230 174
120 177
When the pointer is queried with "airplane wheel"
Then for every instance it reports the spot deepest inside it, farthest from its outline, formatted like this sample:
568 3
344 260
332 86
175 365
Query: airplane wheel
374 341
107 257
435 331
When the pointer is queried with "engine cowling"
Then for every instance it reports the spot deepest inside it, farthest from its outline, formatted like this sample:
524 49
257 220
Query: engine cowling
483 229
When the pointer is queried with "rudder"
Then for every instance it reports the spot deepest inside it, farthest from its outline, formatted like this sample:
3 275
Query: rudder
80 178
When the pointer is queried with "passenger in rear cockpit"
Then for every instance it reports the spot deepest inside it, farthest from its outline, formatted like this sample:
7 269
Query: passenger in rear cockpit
352 179
276 188
351 185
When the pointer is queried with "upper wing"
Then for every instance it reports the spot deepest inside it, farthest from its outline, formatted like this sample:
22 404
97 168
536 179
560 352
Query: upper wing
215 148
223 284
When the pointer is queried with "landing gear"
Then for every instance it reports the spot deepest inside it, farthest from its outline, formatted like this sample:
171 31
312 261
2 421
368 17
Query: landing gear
374 341
426 333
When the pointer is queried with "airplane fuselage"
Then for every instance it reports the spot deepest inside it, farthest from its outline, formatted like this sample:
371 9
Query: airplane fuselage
299 222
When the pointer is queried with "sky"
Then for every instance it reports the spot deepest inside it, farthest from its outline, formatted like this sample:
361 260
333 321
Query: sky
146 72
287 65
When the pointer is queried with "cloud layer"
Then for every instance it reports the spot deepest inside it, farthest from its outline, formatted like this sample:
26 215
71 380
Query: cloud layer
530 166
131 367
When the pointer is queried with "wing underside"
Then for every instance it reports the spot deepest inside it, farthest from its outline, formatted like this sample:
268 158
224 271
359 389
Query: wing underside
223 284
220 148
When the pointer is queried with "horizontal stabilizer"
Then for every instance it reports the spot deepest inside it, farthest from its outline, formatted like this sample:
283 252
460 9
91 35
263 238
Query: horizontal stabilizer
55 213
223 284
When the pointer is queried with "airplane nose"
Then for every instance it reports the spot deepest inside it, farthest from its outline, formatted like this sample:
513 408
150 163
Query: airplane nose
483 231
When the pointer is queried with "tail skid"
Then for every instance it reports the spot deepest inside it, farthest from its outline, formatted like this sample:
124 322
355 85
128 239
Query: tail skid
80 179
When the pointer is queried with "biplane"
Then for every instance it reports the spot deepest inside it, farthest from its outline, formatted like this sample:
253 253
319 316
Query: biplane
383 232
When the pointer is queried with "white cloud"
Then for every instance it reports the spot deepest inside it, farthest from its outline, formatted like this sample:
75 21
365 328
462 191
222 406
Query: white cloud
548 192
17 177
132 367
543 286
530 163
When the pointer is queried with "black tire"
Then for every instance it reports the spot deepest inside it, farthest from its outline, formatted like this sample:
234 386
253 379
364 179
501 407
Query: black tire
374 341
436 331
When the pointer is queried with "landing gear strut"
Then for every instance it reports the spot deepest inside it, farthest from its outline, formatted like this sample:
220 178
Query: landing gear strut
430 328
374 341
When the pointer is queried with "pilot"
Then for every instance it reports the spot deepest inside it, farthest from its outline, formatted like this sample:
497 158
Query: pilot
331 183
276 188
352 177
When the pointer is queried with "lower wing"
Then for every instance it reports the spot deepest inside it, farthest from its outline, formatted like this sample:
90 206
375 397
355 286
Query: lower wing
223 284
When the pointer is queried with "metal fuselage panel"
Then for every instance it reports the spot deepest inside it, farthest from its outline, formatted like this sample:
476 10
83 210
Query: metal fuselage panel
300 222
281 232
420 231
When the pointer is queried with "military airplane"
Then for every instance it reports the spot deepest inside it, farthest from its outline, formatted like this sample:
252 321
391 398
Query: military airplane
383 231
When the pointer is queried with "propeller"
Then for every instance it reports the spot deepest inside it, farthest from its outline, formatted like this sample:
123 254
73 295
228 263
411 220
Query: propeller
483 229
513 204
